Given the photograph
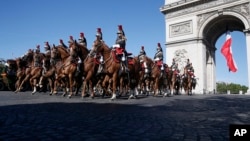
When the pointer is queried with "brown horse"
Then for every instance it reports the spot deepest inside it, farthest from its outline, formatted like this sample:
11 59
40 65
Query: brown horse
48 72
145 80
36 73
28 59
91 64
159 77
134 76
65 68
174 81
81 53
20 74
111 67
187 82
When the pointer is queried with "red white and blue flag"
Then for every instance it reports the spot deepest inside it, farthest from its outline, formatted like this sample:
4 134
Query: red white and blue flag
226 50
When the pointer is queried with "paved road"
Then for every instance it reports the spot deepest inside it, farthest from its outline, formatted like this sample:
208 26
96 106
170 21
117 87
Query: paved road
42 117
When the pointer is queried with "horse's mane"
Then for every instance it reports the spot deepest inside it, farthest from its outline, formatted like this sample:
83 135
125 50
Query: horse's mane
62 48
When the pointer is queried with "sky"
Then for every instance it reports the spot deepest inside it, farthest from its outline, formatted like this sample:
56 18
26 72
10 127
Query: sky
27 23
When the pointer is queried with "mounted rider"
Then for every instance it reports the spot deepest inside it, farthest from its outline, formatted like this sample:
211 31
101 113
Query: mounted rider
98 56
120 45
159 55
82 40
46 63
62 44
142 54
174 67
190 68
37 57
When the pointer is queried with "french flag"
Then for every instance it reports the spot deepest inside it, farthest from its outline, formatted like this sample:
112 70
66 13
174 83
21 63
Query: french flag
226 50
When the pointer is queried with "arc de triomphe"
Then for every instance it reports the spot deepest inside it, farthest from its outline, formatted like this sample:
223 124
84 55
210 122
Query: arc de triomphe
192 29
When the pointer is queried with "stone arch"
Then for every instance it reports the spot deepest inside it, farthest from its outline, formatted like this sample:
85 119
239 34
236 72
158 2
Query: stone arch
234 21
195 26
213 28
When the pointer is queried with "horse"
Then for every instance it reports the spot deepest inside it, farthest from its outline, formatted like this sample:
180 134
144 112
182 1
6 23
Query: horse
133 76
91 64
20 74
65 68
28 61
87 67
111 67
159 77
145 79
187 82
36 72
174 81
48 72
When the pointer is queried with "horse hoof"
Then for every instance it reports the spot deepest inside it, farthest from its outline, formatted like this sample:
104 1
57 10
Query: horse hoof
69 96
131 97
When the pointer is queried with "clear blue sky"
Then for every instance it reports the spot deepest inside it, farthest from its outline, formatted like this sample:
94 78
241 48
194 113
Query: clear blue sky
26 23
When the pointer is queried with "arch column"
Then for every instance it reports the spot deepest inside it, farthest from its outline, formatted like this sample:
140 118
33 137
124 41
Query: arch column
247 34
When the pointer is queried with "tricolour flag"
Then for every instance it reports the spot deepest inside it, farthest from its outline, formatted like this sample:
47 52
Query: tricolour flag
226 50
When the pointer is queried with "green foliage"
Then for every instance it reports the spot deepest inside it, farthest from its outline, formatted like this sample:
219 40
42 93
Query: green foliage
234 88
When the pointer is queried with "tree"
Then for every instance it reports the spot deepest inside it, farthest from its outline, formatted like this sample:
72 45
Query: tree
222 88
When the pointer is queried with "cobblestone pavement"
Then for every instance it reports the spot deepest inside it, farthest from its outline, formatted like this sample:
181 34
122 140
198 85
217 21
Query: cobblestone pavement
42 117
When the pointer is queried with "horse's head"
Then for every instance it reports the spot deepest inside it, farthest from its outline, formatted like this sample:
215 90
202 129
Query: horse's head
97 46
59 52
54 53
77 49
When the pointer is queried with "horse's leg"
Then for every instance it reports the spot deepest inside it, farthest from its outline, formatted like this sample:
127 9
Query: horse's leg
85 82
24 80
114 79
71 81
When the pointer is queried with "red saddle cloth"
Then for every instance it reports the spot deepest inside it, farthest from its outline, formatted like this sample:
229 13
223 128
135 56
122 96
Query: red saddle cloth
159 63
119 50
130 61
97 61
114 56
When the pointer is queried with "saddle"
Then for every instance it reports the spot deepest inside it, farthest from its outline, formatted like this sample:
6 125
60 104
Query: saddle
118 53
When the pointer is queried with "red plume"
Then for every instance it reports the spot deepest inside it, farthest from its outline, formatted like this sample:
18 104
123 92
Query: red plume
71 37
99 30
61 41
120 27
159 45
47 43
81 34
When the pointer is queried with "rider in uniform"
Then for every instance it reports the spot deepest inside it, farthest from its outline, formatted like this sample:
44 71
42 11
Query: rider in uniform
141 54
82 40
62 44
37 57
99 56
46 63
121 40
174 65
159 54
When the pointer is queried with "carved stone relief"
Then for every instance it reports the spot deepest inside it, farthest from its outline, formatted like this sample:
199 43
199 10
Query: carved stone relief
181 57
244 9
182 28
